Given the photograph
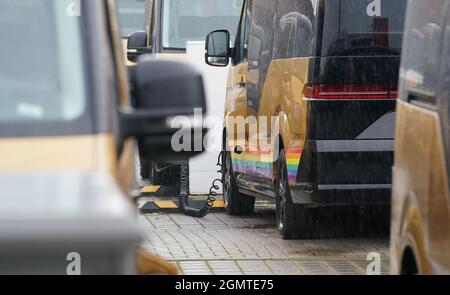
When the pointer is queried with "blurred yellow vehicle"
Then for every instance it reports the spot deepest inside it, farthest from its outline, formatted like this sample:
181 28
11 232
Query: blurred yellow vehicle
67 135
420 230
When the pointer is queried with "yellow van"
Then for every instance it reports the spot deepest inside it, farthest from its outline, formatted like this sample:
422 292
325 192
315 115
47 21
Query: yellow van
67 135
315 83
420 228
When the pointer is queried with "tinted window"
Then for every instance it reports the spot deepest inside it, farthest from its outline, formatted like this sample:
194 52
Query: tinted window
423 42
363 27
260 48
41 73
294 28
131 15
192 20
444 87
244 33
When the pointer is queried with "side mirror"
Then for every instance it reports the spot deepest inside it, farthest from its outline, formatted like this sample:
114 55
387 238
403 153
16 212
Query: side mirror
163 90
218 48
137 45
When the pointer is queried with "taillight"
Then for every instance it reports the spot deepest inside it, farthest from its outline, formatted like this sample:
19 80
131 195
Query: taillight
350 91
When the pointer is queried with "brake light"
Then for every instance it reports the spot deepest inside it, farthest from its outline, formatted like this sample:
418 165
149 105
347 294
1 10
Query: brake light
350 91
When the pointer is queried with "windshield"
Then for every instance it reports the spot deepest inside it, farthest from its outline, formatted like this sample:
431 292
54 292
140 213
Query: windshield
192 20
131 16
361 27
41 72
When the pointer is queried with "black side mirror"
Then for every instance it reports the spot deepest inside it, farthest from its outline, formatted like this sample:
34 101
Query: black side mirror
137 45
163 90
218 48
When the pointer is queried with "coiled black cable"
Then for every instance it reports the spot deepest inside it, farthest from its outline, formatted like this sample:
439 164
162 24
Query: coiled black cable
184 192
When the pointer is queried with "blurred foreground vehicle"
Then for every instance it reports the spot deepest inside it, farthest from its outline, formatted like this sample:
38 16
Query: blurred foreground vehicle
166 27
420 233
319 81
67 136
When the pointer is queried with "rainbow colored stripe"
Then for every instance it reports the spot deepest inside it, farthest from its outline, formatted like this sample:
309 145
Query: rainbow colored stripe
293 156
260 164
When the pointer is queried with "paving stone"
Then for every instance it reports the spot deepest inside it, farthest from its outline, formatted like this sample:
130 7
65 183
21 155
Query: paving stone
225 267
343 267
195 268
253 267
314 268
283 267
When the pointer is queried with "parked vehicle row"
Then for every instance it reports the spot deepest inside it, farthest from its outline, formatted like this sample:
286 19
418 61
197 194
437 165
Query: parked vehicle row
328 72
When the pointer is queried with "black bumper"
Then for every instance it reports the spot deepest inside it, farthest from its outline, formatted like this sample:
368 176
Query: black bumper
344 172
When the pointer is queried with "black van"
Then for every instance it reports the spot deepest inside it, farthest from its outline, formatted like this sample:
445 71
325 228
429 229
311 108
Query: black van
329 71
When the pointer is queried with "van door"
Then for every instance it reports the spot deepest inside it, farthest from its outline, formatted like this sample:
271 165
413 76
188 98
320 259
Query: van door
440 201
421 177
259 59
236 101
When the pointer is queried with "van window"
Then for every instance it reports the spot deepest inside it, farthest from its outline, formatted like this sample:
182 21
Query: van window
423 44
295 28
244 33
131 16
42 72
363 27
445 82
259 57
192 20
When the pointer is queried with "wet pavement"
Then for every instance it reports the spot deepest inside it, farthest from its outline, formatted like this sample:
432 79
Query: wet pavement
220 244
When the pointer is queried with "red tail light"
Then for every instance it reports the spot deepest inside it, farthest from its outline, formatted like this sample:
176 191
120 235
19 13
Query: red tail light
350 91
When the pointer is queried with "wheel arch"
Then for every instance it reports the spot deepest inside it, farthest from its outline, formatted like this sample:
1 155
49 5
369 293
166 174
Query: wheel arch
409 265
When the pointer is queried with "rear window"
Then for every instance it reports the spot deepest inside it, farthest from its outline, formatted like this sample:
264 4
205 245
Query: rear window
363 27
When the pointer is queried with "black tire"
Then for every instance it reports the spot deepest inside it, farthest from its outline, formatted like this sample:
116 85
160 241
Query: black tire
235 202
293 221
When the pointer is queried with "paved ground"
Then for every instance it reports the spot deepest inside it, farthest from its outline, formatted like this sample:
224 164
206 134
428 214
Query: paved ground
220 244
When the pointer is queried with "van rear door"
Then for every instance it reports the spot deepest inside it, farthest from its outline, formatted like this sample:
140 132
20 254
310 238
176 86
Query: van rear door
358 65
353 90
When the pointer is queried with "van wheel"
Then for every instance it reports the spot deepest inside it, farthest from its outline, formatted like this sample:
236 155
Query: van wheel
235 202
293 221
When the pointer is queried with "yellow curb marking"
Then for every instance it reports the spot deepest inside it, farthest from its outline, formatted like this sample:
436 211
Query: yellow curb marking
166 204
150 189
219 204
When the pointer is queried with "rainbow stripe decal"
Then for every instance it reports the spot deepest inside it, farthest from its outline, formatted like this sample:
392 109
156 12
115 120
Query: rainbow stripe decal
293 156
260 164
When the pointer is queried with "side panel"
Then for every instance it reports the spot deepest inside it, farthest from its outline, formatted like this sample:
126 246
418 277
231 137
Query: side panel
421 185
276 87
257 157
421 182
